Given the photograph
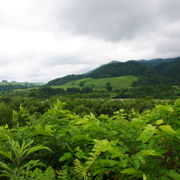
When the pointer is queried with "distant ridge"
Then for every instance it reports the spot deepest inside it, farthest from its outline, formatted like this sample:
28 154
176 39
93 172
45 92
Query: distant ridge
154 62
162 69
114 61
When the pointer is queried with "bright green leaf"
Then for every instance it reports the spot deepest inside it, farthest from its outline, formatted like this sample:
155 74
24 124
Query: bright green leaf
131 171
158 122
147 133
173 174
167 129
65 157
149 153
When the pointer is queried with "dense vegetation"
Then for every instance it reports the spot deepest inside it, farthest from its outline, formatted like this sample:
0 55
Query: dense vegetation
159 92
140 140
37 107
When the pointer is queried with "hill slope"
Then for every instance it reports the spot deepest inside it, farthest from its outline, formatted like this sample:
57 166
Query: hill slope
170 70
100 84
121 69
153 71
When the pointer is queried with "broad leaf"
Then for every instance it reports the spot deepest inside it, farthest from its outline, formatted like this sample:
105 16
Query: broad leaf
131 171
167 129
65 156
147 133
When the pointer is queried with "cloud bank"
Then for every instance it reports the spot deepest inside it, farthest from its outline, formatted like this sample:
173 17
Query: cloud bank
45 39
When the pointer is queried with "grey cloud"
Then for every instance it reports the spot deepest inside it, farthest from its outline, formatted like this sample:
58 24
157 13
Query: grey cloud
169 47
52 61
42 40
169 10
116 20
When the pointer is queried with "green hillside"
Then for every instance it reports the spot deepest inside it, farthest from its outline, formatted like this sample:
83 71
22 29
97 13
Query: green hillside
100 84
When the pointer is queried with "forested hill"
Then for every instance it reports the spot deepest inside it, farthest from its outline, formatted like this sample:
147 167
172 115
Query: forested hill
159 70
120 69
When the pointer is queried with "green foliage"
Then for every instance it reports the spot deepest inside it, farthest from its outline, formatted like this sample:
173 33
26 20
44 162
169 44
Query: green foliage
129 144
5 114
147 133
17 154
108 86
21 117
38 174
63 174
65 157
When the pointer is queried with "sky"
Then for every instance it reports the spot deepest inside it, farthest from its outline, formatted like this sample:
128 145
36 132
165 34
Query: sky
41 40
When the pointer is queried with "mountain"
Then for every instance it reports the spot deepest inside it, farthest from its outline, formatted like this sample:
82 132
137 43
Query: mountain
152 71
121 69
170 69
157 61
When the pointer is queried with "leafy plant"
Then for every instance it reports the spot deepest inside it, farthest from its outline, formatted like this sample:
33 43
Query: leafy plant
17 156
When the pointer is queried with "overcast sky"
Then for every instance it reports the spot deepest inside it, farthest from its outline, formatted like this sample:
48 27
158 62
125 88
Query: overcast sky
44 39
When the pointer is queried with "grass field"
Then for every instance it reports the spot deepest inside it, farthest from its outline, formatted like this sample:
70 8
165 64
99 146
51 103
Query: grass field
100 84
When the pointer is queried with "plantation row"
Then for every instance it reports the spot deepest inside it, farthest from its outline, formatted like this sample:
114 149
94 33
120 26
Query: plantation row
60 144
